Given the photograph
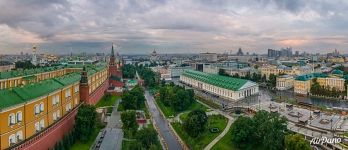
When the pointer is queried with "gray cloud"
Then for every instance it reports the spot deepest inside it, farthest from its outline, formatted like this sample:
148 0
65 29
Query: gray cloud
138 26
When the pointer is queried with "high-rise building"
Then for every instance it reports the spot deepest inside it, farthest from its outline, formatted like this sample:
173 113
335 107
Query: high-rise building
33 58
283 52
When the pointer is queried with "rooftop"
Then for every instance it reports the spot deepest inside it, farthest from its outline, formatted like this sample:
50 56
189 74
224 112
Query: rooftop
25 72
310 76
221 81
29 72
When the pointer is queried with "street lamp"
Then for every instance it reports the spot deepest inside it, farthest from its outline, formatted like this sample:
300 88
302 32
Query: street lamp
331 123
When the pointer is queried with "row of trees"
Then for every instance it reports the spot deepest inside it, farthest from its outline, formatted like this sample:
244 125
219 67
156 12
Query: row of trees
133 99
128 71
254 77
318 90
176 97
24 65
265 129
85 123
150 78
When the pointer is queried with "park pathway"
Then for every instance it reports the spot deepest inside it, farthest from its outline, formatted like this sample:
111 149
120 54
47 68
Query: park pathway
113 132
227 128
217 139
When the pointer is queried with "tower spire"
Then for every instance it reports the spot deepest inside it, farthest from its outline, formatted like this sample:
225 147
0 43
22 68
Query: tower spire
112 50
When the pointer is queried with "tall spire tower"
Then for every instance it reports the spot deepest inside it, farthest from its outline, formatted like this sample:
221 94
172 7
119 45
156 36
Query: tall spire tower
112 57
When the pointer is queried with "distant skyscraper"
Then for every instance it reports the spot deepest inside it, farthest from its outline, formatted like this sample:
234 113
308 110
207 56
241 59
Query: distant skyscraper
283 52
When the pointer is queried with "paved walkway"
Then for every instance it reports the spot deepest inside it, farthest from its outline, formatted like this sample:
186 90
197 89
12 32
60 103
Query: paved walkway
113 131
217 139
227 128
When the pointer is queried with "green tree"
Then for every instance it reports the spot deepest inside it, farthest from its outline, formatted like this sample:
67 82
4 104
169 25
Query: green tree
86 119
24 65
242 131
236 75
129 101
266 129
272 80
195 123
128 71
129 121
264 78
147 137
138 93
296 142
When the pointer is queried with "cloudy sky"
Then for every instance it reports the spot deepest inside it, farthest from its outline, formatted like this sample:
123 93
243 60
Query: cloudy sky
180 26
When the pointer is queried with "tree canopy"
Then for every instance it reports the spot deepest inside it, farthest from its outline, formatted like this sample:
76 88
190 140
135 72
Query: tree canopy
85 122
195 122
176 97
147 137
295 142
133 99
267 129
129 121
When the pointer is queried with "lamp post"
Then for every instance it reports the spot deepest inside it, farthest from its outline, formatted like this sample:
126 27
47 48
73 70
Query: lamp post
331 123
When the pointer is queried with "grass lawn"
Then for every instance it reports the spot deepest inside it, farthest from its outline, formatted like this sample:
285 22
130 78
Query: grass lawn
126 144
107 102
208 102
78 145
225 143
206 137
168 111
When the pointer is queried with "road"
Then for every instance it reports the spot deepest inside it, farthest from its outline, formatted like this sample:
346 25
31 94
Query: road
162 123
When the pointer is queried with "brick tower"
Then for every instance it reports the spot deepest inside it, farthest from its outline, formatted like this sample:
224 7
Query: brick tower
115 73
84 87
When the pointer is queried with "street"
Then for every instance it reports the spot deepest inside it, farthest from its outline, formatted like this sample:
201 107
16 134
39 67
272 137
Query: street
162 123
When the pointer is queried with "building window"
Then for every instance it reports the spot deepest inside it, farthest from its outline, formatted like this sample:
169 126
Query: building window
68 107
41 107
42 124
55 100
37 126
19 136
67 93
76 88
36 109
11 119
19 116
58 114
12 139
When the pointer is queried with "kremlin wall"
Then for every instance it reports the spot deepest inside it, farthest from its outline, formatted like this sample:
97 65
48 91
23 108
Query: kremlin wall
38 107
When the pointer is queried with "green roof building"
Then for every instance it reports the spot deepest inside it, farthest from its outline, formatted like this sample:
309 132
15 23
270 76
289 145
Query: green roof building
227 87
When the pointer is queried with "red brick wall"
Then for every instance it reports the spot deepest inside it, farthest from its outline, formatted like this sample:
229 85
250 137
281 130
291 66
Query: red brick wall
49 137
116 83
98 93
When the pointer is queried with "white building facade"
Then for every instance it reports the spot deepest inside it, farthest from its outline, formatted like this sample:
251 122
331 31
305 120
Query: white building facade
225 87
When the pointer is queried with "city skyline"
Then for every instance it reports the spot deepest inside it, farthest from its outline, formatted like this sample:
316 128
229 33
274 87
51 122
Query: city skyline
138 27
